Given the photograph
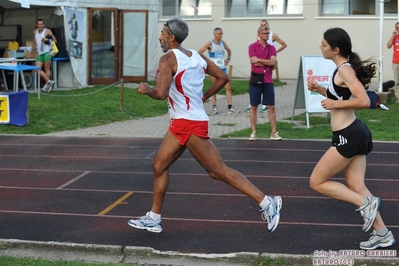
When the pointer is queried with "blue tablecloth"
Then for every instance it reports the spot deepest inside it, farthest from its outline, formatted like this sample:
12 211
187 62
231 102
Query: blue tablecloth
13 108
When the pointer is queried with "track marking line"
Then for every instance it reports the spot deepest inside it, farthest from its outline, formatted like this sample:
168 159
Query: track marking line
73 180
116 203
180 193
177 219
149 156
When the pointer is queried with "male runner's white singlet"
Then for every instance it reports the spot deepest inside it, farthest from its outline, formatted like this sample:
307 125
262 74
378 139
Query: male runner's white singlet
216 54
185 93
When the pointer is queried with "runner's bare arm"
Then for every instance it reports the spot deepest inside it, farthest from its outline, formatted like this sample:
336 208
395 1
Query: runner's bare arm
206 46
164 78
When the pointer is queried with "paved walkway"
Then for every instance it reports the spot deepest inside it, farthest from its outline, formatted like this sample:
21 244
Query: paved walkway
221 123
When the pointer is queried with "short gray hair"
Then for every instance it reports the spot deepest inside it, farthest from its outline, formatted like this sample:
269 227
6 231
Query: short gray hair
178 27
262 28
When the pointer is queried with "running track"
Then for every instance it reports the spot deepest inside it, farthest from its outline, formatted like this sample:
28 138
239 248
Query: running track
83 190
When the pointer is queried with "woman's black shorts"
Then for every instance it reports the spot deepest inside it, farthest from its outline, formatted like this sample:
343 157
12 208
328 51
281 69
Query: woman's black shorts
354 140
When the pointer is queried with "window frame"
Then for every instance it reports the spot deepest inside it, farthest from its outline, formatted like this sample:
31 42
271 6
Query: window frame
264 13
178 10
347 9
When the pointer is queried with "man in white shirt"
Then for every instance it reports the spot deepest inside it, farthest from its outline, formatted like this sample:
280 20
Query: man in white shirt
42 38
180 79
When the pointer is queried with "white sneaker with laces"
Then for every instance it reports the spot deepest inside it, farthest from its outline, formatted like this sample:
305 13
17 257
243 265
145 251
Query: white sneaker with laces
271 213
51 85
215 110
147 223
233 111
252 136
275 136
46 86
377 241
369 211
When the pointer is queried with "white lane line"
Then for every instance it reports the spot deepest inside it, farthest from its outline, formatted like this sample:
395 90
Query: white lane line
73 180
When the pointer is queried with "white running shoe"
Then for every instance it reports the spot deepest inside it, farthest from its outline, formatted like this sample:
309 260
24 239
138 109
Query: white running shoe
232 111
215 110
275 136
264 109
252 136
377 241
46 86
145 222
51 85
369 211
271 213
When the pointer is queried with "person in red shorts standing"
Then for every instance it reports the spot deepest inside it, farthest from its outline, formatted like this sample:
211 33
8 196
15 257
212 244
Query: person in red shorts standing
180 80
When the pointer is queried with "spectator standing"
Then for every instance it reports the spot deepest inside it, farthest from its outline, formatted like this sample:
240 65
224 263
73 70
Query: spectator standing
216 49
394 42
273 38
42 38
263 59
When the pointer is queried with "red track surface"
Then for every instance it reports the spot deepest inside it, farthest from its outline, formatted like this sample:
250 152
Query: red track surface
83 190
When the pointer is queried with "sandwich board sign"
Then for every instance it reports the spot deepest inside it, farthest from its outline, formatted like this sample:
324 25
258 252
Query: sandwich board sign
317 68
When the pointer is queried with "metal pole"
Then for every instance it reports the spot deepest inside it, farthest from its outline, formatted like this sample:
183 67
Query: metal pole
121 95
380 63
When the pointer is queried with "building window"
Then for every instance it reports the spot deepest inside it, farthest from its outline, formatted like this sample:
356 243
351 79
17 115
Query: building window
260 8
169 8
357 7
186 8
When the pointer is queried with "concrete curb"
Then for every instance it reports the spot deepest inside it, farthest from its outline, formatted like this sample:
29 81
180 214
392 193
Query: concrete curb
117 254
59 251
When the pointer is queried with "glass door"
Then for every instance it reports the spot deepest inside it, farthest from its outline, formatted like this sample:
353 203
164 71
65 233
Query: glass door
134 45
103 46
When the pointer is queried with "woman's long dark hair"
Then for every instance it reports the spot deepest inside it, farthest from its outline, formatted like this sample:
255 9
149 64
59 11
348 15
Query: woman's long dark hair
365 69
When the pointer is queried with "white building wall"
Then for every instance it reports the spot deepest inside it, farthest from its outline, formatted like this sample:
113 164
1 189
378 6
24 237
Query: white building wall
303 35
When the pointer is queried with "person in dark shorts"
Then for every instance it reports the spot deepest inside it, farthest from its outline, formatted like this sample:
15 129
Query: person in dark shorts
352 139
358 140
262 57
